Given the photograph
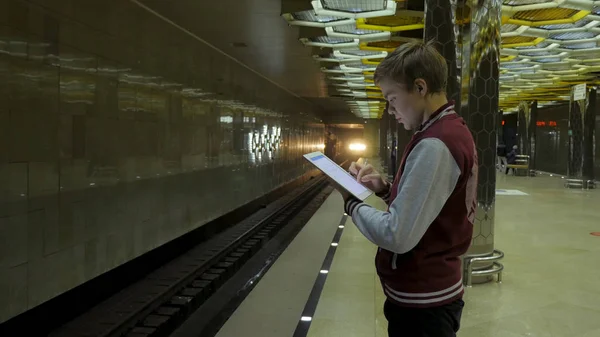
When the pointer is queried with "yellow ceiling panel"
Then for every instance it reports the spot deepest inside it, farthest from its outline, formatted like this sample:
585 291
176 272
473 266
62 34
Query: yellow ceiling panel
372 62
392 21
520 41
387 46
542 64
506 58
546 16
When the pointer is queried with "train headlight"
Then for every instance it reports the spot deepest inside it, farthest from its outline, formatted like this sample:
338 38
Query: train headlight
357 147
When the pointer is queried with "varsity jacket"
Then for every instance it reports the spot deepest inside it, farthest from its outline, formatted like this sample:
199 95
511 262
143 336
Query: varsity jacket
429 221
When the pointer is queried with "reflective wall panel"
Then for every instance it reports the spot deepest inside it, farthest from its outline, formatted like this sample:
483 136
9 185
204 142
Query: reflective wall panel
118 133
552 139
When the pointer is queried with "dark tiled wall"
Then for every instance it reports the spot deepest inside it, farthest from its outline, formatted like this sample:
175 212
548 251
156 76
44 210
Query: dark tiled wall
119 133
552 137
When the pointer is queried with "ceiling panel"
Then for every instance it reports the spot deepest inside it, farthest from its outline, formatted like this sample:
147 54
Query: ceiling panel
327 50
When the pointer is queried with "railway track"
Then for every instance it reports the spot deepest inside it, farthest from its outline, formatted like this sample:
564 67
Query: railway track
160 302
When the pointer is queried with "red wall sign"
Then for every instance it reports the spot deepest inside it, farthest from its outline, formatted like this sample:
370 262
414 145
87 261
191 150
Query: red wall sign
544 123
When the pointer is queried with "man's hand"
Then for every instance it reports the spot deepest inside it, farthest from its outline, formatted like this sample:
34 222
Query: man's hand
368 176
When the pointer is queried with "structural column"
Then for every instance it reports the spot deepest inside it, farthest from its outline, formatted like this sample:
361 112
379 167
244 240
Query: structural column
477 30
597 145
523 118
393 145
526 126
402 139
500 129
390 142
532 131
384 152
589 137
582 119
371 135
441 26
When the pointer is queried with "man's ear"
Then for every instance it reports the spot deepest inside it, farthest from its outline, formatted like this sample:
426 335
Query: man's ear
421 86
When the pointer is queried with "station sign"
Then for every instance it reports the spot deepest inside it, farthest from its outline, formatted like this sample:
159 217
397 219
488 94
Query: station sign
579 92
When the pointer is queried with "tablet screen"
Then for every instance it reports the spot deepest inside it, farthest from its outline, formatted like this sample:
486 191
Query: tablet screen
335 172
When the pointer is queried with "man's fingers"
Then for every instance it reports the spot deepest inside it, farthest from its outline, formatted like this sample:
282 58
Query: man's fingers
355 168
368 169
369 177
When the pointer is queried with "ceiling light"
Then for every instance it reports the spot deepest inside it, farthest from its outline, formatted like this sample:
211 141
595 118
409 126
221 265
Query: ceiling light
330 58
350 31
310 19
573 36
311 16
341 70
576 24
330 42
583 45
354 8
347 78
548 59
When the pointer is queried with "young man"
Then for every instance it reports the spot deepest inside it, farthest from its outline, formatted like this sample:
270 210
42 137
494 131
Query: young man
432 202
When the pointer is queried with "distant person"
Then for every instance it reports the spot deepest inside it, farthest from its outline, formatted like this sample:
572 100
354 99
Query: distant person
330 145
432 201
501 153
333 141
511 158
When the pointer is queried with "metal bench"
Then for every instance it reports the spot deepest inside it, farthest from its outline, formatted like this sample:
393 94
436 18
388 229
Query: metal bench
521 166
580 184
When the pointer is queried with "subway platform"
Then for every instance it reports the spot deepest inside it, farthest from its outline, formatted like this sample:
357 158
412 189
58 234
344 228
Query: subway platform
325 283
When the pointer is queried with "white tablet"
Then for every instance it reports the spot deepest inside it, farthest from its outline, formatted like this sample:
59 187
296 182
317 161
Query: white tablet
339 175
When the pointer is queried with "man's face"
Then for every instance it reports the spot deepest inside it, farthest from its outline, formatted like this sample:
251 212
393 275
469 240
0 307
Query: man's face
406 106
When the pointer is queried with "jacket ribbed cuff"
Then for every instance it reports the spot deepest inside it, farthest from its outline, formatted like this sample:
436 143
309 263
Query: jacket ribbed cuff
387 193
351 204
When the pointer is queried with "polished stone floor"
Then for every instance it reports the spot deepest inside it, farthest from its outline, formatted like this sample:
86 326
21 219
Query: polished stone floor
551 282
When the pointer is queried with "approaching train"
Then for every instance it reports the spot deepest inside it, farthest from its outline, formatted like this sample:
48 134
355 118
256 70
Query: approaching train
345 143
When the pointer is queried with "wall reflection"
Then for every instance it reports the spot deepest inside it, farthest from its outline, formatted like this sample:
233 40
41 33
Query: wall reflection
114 141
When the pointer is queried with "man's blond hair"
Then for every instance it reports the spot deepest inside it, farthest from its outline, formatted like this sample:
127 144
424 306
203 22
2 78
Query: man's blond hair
415 60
